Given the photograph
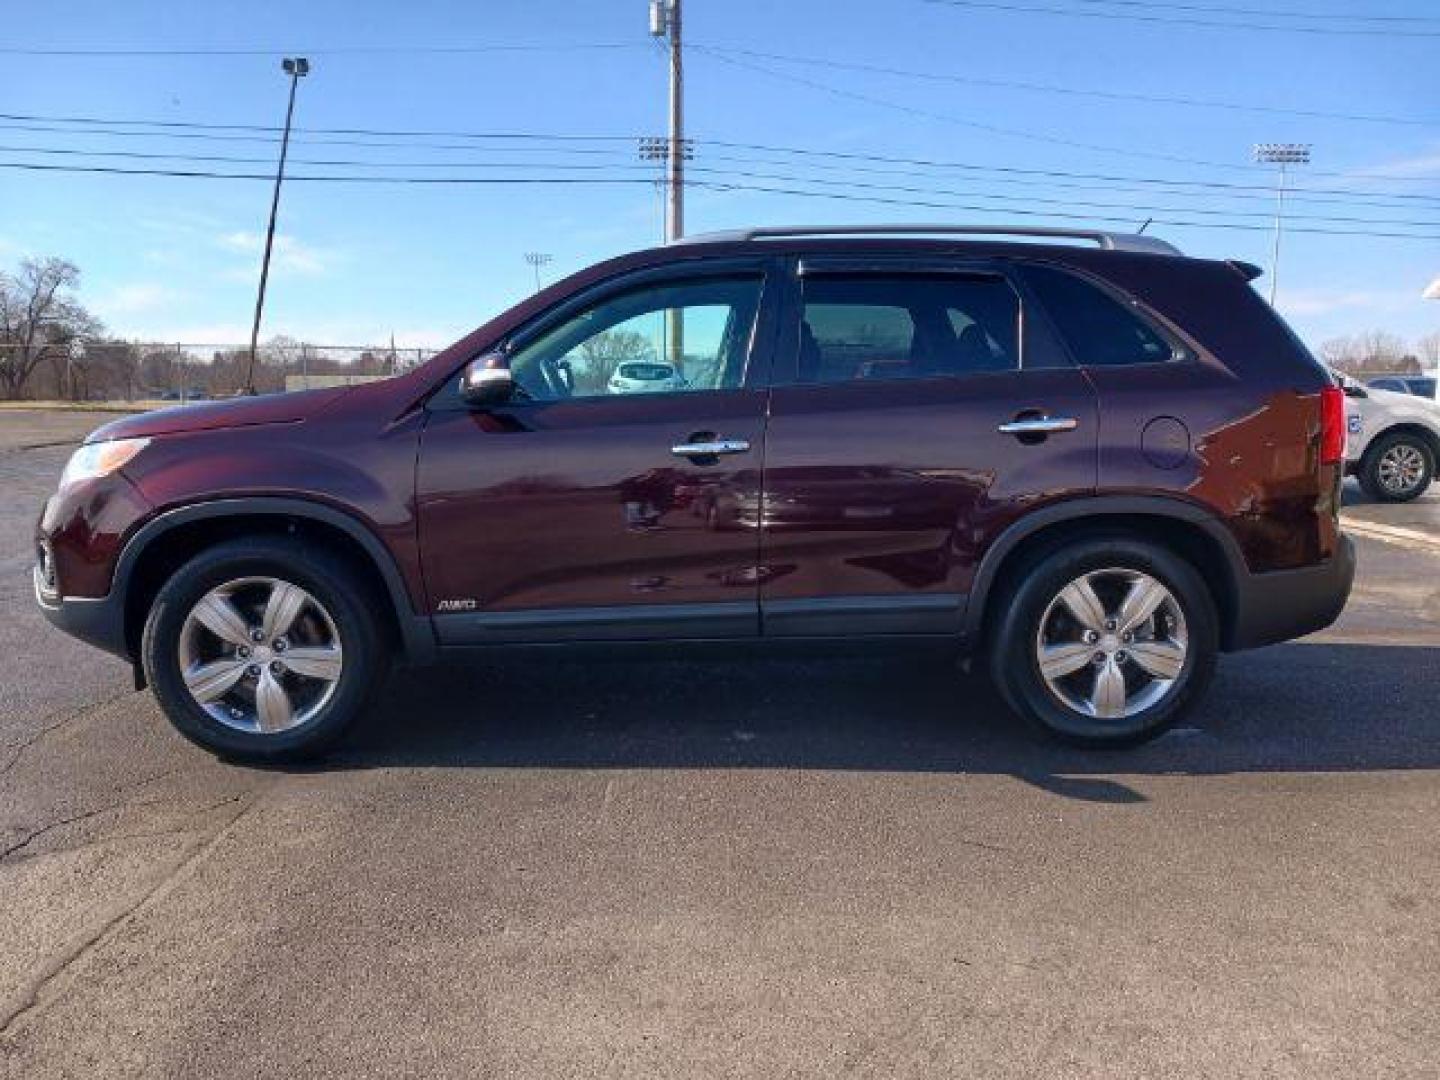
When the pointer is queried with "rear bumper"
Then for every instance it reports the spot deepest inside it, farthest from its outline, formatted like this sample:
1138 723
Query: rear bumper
1285 604
99 622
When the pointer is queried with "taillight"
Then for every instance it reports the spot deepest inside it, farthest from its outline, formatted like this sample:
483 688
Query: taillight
1332 425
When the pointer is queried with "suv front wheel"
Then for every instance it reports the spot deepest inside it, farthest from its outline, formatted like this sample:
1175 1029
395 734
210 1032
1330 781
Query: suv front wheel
1105 642
263 649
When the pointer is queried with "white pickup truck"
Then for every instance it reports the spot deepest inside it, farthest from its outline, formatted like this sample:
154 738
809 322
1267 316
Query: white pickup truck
1393 440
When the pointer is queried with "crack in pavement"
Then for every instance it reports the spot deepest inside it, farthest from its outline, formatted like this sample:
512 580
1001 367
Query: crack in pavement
35 834
70 717
30 997
41 831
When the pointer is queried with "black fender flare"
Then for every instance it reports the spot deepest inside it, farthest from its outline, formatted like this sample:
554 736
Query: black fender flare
416 632
1089 509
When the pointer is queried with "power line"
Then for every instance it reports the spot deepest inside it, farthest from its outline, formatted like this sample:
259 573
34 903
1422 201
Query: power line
341 50
1047 88
978 125
994 128
1178 187
610 145
720 185
747 174
623 163
1269 13
1178 223
532 140
822 159
1163 20
270 129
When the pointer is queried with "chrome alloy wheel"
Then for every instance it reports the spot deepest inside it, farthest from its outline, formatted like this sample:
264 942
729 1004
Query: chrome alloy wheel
1401 468
260 655
1112 643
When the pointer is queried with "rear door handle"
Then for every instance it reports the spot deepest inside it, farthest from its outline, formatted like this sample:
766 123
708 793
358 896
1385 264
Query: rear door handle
710 448
1039 425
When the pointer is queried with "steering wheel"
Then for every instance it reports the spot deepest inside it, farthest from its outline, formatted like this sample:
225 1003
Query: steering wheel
559 376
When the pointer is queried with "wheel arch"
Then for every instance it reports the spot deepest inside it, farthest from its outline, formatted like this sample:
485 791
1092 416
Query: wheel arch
1188 530
177 535
1407 427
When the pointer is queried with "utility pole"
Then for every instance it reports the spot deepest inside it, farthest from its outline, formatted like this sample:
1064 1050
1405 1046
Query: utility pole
665 21
537 259
1281 154
297 68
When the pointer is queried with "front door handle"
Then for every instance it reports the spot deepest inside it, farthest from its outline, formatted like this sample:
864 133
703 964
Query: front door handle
710 448
1038 425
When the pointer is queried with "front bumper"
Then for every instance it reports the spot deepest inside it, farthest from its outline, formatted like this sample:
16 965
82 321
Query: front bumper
1285 604
99 621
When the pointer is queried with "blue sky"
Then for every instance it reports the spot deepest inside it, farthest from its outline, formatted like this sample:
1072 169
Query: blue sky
177 258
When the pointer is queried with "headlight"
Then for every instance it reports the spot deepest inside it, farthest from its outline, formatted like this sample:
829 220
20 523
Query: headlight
100 459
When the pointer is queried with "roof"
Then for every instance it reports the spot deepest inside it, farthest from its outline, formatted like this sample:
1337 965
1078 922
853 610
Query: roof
1106 240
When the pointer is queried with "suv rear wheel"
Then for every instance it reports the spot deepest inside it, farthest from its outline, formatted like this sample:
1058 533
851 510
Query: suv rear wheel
262 649
1398 468
1105 642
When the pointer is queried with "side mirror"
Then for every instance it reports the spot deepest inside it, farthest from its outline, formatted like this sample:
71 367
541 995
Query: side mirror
487 381
1355 390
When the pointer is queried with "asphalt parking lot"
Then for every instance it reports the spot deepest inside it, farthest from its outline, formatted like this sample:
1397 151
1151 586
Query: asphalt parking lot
765 868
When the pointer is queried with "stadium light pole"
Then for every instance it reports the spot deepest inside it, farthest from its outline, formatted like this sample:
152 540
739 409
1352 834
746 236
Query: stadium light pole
1283 155
537 259
297 67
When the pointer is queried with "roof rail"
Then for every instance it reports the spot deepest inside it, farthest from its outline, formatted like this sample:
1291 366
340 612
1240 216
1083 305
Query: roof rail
1110 241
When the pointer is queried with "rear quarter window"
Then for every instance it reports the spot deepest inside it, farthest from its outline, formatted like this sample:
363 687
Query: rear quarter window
1100 329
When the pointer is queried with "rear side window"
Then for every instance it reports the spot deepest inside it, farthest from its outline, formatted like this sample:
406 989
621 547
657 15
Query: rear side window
1101 330
907 327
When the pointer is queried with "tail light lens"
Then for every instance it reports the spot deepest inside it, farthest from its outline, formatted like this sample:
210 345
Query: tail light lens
1332 425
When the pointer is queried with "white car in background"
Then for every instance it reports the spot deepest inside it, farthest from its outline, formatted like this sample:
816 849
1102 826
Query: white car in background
1393 440
646 377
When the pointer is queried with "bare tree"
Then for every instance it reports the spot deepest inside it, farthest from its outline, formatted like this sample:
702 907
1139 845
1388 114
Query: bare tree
606 351
1428 349
1374 352
1342 354
1380 351
39 318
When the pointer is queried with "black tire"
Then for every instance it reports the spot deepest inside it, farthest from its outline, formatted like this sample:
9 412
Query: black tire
1014 659
346 598
1371 479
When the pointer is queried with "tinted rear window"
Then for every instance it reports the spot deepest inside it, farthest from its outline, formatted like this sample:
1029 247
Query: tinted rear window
1100 329
859 327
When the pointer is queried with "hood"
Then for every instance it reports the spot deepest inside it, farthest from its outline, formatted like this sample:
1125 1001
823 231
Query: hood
210 415
1398 399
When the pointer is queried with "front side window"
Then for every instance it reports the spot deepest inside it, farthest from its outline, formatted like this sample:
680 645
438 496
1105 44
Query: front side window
907 327
676 336
1101 330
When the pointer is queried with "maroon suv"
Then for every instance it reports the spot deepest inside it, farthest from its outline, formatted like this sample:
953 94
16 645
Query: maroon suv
1097 465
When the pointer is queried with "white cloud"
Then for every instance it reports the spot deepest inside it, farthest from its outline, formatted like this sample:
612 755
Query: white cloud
228 333
288 254
1330 301
134 299
237 335
1425 166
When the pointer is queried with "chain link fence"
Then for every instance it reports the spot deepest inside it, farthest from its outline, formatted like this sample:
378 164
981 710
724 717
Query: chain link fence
135 371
